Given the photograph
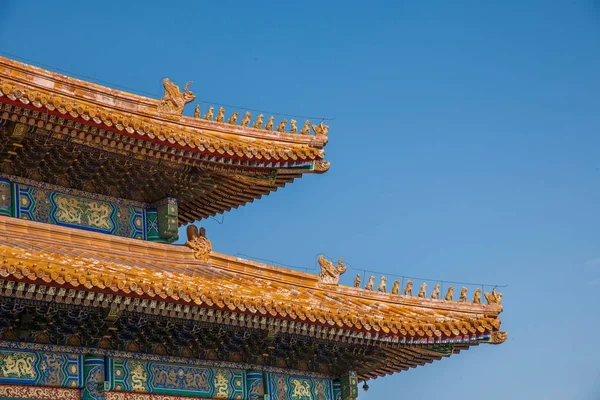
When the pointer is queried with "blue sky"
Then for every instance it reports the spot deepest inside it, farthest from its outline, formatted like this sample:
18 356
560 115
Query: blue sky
465 147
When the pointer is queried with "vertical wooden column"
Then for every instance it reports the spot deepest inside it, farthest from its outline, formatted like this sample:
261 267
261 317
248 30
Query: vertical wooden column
349 384
6 198
167 218
93 378
337 390
256 390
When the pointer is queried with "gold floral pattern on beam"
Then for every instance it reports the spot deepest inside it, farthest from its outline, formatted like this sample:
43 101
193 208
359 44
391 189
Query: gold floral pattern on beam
40 393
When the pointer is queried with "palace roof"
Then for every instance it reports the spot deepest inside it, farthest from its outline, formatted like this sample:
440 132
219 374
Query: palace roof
102 140
374 333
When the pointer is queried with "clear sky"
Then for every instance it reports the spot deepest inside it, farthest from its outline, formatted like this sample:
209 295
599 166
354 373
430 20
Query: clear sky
465 147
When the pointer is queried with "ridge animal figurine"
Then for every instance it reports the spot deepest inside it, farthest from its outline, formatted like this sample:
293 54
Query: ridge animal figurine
331 273
494 297
246 119
281 126
435 294
306 128
209 115
371 283
450 294
259 121
197 241
408 288
320 129
477 296
357 281
221 115
463 294
233 119
197 111
382 286
396 287
422 293
174 101
270 123
293 127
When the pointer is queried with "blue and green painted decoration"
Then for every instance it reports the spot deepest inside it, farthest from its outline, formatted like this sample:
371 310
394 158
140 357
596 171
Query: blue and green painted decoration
96 374
176 379
26 367
41 202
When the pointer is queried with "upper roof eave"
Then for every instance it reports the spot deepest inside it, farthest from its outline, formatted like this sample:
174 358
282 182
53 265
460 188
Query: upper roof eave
137 115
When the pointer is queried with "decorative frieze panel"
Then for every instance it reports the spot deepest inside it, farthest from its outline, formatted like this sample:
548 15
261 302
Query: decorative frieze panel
129 375
38 393
42 204
112 378
295 387
40 368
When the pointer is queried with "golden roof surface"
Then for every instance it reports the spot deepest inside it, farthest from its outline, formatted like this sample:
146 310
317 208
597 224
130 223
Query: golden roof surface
257 294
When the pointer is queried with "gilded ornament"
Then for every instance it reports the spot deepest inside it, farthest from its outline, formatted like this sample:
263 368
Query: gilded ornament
259 122
450 293
494 297
197 241
221 115
498 337
408 288
222 384
209 115
422 291
17 365
306 128
371 284
270 123
246 119
321 129
322 166
463 295
477 296
174 101
139 377
435 294
293 127
197 111
357 281
382 285
396 287
233 119
329 273
301 389
281 126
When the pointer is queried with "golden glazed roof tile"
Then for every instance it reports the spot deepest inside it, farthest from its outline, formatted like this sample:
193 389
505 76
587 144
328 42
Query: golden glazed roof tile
138 116
69 258
210 167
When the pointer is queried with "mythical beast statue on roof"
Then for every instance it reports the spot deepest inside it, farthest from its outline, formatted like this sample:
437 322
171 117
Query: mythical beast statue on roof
174 101
330 273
